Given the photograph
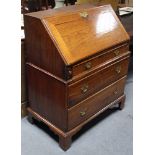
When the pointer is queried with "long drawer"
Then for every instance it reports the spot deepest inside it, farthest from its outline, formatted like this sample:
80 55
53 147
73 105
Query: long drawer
96 102
85 87
92 63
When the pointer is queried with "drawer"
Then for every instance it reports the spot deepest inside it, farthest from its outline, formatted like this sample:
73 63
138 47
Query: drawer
94 62
96 81
95 103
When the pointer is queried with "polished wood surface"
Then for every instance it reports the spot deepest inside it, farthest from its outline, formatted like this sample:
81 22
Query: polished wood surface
40 50
94 103
98 28
96 61
88 86
44 96
65 77
23 82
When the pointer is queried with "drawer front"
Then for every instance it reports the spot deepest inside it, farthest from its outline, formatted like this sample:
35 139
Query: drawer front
92 63
95 103
95 82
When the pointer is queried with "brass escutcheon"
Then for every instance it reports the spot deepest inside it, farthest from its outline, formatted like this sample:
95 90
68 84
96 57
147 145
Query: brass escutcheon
84 88
88 65
84 14
118 69
116 53
82 113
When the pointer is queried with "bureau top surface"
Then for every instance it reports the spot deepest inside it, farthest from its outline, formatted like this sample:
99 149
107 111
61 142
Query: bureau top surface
83 31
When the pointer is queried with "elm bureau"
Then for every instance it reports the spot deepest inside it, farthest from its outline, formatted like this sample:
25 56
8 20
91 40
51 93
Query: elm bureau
76 65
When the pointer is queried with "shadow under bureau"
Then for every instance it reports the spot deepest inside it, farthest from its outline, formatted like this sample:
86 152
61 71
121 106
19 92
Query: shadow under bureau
76 65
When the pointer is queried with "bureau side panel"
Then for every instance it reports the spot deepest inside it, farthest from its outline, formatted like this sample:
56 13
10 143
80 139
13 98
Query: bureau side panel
40 49
47 96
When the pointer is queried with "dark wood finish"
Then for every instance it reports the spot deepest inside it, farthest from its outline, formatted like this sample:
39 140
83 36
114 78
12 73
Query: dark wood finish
94 103
40 50
65 142
61 93
94 62
104 77
23 82
44 96
72 132
64 137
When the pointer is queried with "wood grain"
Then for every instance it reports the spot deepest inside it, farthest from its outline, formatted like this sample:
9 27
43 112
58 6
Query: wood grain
100 28
97 81
100 59
94 103
44 97
40 50
76 67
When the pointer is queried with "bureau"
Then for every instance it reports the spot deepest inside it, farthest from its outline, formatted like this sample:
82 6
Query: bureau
76 66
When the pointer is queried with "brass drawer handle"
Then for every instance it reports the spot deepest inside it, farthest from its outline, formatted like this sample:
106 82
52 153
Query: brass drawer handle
116 53
118 69
84 14
84 88
82 113
88 65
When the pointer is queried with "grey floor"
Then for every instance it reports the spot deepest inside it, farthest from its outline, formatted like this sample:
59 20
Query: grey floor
109 134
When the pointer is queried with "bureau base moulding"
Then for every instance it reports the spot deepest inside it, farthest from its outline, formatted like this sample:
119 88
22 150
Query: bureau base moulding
65 138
